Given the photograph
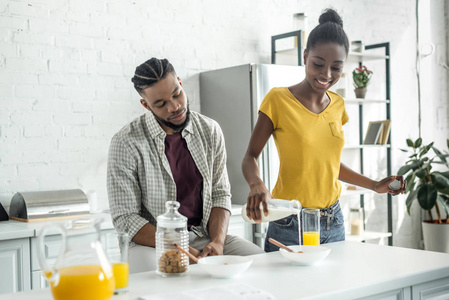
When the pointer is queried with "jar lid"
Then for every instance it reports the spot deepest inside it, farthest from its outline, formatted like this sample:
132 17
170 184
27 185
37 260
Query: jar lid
172 218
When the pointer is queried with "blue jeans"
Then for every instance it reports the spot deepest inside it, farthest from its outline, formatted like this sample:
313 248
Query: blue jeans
285 230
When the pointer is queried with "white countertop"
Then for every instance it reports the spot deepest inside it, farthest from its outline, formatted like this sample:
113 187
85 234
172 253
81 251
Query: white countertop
350 271
13 229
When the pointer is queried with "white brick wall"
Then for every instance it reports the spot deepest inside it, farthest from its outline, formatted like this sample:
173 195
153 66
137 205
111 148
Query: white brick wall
65 69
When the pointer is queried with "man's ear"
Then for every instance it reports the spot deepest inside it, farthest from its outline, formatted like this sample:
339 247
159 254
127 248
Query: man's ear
144 104
304 57
179 80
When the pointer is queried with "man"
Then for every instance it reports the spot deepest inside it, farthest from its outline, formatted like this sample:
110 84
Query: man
170 153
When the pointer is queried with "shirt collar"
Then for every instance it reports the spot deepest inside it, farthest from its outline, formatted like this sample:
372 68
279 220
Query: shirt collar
156 130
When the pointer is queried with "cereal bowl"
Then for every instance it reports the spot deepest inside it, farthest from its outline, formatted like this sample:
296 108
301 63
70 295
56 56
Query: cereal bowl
310 256
225 266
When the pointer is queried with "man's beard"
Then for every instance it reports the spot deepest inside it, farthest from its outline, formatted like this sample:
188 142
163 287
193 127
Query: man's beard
176 128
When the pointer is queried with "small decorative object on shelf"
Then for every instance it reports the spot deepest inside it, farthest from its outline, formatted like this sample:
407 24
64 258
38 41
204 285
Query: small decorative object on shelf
385 134
357 46
373 132
361 77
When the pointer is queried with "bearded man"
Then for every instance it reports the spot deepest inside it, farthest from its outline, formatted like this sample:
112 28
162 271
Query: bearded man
170 154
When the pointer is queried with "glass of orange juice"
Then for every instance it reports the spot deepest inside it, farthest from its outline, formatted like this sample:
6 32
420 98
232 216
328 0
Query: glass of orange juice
311 226
116 247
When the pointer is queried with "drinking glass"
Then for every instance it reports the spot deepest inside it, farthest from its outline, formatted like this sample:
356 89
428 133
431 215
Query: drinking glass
116 248
311 226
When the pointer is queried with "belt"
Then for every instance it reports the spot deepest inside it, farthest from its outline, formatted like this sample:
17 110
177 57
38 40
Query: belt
329 210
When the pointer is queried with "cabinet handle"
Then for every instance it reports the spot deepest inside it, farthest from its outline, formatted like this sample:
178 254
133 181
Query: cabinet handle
59 211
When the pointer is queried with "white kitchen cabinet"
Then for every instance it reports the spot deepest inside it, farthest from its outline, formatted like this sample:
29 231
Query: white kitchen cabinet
15 265
18 255
399 294
433 290
52 246
237 226
240 228
38 280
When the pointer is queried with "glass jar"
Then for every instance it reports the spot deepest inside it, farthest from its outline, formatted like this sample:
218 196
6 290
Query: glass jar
171 229
356 221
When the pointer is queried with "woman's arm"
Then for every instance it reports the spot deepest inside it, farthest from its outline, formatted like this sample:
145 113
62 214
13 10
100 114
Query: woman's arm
258 191
349 176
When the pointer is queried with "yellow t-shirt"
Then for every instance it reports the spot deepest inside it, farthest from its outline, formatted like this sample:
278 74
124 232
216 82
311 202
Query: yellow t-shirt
309 147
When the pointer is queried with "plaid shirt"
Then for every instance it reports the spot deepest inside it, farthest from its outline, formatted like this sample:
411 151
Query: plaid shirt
139 178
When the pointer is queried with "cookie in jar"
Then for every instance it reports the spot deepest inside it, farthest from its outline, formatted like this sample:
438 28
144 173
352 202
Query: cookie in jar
171 229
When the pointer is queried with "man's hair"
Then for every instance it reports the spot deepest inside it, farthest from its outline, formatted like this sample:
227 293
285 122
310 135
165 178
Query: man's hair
330 29
151 72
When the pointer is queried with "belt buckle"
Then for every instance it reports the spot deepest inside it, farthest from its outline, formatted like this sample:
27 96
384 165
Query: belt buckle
196 231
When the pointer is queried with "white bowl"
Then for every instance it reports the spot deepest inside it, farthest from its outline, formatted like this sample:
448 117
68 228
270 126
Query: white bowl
225 266
310 256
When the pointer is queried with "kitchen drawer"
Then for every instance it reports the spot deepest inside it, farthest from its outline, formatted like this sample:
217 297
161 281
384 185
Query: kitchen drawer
15 266
38 281
240 228
433 290
52 245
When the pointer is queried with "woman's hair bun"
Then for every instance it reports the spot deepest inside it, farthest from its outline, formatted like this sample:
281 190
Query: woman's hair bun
330 15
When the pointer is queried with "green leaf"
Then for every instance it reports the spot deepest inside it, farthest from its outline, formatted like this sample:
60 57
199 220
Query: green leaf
444 191
445 174
440 179
410 182
410 143
440 155
404 169
410 198
447 141
421 173
427 196
403 150
417 143
423 151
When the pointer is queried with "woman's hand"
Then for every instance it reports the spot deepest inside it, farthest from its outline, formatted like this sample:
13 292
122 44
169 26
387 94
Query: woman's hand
258 194
383 186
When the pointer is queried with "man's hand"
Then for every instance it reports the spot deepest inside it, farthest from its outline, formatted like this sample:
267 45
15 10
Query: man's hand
212 249
195 253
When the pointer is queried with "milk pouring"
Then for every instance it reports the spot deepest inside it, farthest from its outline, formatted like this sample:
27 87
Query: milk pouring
277 209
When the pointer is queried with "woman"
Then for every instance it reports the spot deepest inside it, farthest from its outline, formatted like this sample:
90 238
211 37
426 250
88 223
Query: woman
306 123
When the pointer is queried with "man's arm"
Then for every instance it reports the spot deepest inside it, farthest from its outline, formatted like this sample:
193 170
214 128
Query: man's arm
218 229
124 192
146 236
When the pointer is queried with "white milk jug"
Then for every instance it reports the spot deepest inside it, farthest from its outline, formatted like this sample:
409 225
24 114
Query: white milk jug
277 209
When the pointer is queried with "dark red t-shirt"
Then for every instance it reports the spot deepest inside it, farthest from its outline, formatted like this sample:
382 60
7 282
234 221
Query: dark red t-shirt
188 179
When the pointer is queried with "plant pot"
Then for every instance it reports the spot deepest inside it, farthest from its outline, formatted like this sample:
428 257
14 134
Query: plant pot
436 236
360 92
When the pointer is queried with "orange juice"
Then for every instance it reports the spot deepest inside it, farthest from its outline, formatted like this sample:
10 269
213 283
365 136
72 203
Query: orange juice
311 238
87 282
121 271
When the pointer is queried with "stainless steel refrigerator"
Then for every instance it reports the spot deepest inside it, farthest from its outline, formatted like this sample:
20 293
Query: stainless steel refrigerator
232 97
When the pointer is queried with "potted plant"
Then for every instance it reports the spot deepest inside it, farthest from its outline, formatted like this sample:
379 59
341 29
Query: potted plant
430 186
361 77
